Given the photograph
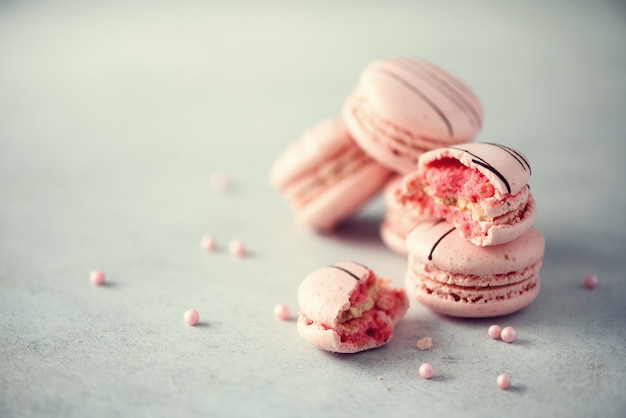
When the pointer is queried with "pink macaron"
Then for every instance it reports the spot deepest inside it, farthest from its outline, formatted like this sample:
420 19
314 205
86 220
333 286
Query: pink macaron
326 177
451 276
403 107
481 188
398 220
346 308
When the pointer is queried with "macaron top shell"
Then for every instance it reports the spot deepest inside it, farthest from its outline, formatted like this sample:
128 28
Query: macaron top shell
439 244
314 147
325 294
421 98
505 168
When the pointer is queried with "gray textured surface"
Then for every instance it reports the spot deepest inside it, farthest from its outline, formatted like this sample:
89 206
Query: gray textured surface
112 120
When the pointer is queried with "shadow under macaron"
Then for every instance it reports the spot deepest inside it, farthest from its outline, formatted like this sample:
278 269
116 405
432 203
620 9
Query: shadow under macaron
360 229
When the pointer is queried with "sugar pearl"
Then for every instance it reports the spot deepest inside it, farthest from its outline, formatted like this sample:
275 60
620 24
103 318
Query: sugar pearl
208 243
504 381
97 278
494 331
591 281
282 312
192 317
427 370
237 248
220 181
508 334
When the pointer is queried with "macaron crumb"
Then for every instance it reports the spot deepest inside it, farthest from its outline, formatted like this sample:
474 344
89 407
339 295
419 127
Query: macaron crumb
591 281
504 381
508 334
494 331
97 278
426 370
192 317
237 248
282 312
425 343
208 243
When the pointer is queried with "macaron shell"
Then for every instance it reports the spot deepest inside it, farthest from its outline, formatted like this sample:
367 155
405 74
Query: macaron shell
325 294
501 233
422 98
439 244
314 147
377 144
506 169
393 238
470 303
344 198
329 340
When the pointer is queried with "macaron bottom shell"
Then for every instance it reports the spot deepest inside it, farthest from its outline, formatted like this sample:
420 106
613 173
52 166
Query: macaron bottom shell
343 198
372 330
473 302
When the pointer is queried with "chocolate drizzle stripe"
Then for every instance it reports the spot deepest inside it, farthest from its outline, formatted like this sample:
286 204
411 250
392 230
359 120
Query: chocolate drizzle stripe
419 93
446 88
513 153
430 255
494 171
347 271
481 162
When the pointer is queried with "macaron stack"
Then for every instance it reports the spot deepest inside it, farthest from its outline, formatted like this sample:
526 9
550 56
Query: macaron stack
399 109
481 256
461 212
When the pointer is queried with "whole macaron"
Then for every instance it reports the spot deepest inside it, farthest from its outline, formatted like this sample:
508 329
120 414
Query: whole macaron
451 276
403 107
325 176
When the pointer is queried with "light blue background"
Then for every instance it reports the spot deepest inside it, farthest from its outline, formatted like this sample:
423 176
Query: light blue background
114 117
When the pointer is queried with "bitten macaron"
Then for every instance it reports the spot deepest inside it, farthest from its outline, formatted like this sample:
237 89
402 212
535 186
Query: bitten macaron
402 107
346 308
451 276
481 188
326 177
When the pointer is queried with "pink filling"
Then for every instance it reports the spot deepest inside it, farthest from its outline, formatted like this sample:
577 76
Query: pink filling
377 323
451 181
448 178
374 324
359 295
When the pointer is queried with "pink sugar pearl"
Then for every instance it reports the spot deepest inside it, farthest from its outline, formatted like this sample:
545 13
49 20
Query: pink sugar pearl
591 281
208 243
192 317
427 370
237 248
508 334
494 331
282 312
97 278
220 181
504 381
